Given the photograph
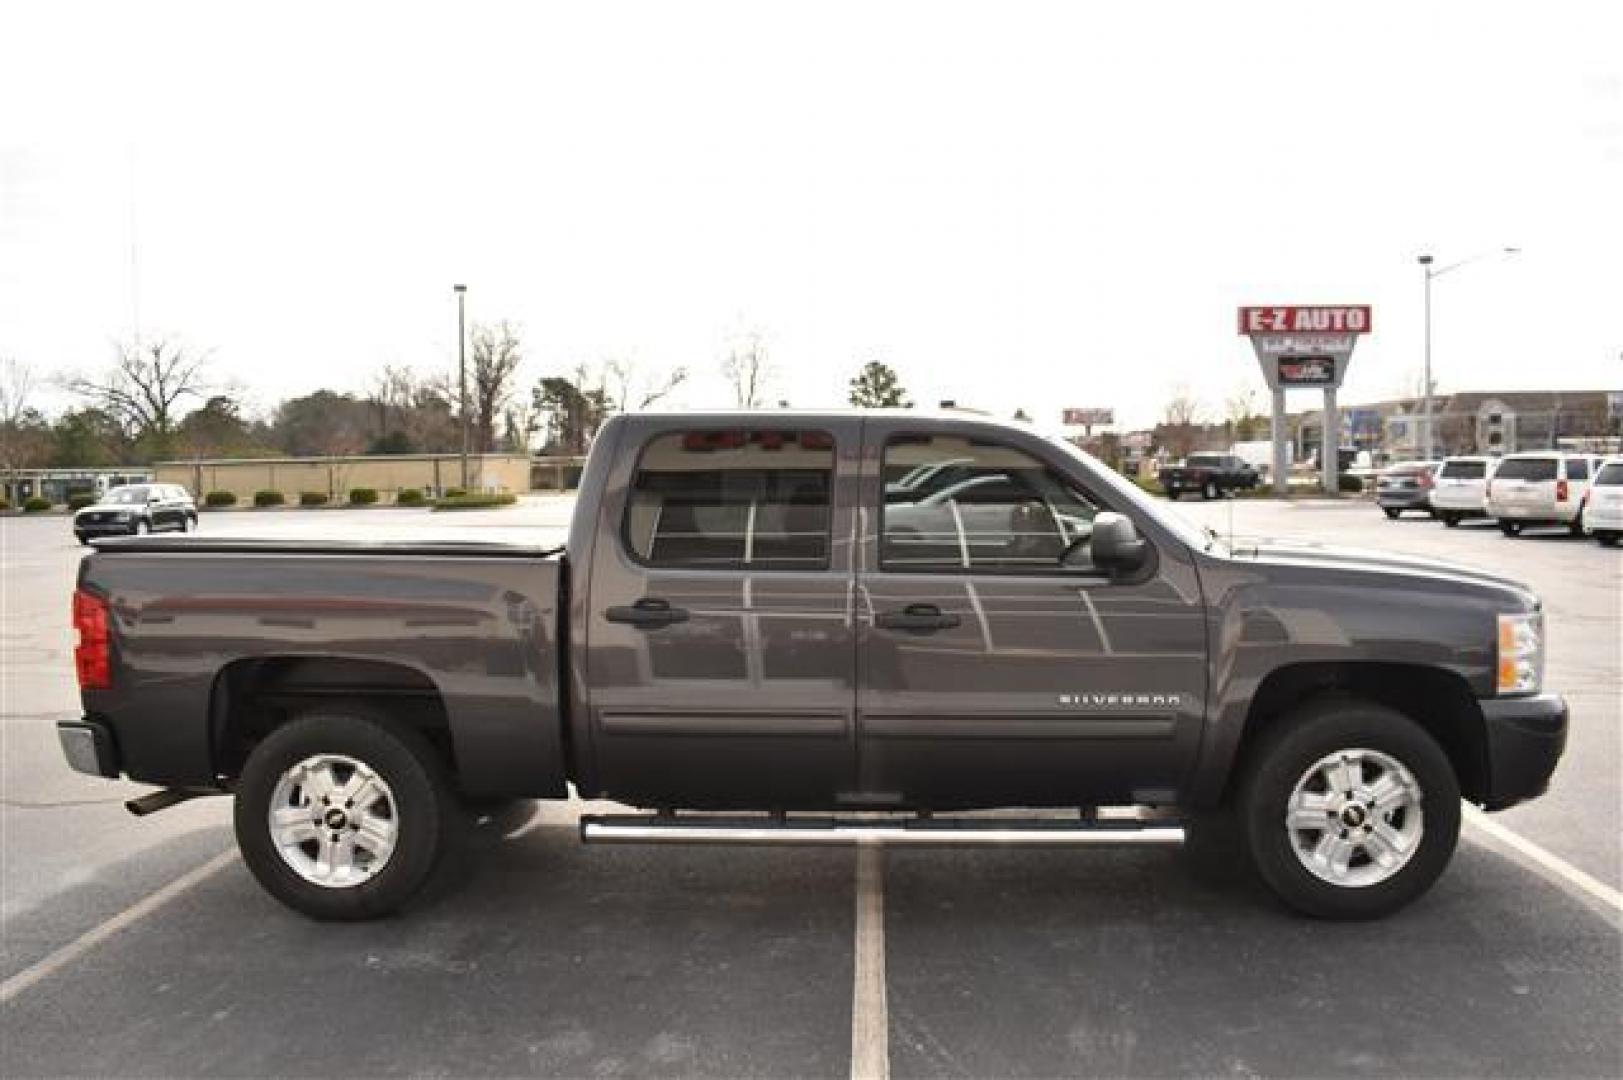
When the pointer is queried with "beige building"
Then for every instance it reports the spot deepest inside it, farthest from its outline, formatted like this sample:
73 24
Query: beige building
388 474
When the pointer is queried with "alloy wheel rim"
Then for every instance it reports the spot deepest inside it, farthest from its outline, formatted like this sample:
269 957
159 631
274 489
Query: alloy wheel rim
1354 818
333 820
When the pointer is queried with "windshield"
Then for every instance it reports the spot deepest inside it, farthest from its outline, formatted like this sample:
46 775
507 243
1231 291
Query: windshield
127 496
1129 492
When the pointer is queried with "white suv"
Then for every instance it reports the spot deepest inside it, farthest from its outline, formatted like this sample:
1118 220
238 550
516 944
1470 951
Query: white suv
1460 489
1546 487
1603 514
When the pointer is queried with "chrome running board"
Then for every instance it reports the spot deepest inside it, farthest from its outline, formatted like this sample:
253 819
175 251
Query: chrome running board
914 831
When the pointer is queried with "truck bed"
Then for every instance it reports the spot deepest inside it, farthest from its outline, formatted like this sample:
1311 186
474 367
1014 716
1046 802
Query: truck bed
200 624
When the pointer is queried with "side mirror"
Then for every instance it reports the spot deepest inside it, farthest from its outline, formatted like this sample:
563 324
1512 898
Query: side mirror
1116 544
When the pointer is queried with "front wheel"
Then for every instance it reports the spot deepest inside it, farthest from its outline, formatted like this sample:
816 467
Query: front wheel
1451 519
1392 512
1350 810
343 816
1607 539
1510 528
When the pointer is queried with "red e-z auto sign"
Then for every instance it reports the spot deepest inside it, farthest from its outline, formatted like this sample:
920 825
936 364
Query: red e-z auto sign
1317 319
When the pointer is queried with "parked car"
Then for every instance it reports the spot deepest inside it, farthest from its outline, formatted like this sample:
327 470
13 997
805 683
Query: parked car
724 633
1540 488
1460 489
137 509
1209 474
1603 514
1405 486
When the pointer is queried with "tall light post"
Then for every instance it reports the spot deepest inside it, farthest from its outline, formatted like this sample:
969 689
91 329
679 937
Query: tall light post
1425 267
462 374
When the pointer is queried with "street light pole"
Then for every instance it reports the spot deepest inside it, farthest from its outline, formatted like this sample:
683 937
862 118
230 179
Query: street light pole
1425 266
462 375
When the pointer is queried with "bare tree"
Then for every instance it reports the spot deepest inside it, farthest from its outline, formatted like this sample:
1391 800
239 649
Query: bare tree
146 385
1183 407
1243 416
629 390
22 430
496 359
750 371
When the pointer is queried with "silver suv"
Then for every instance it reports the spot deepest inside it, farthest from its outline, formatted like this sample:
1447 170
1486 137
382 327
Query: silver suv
1546 487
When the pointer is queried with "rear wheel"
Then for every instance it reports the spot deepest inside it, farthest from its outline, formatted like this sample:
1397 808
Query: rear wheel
341 815
1607 539
1510 528
1350 810
1392 512
1451 519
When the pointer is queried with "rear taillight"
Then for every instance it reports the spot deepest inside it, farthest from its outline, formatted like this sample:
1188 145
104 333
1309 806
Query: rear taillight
1560 491
92 654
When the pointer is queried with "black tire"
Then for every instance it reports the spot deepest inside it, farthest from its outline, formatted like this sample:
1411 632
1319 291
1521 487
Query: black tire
1451 519
1392 512
1313 732
422 801
1510 528
84 541
1209 490
1607 539
1576 527
1173 493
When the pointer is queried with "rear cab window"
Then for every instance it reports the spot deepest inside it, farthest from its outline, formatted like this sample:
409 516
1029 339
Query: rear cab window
733 499
1463 470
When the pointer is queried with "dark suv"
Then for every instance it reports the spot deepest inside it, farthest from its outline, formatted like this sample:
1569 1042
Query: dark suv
137 509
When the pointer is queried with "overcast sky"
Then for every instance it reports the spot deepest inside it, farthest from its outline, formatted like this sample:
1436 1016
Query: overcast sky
1016 205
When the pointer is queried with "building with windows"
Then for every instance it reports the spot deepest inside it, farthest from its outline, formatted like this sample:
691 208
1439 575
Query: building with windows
1472 422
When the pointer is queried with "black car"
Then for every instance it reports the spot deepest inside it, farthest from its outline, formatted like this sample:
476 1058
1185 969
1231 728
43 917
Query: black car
137 509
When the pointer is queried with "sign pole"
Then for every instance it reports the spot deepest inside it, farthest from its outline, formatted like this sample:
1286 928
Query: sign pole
1330 450
1276 431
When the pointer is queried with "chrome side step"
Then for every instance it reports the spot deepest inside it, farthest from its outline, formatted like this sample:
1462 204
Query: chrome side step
914 831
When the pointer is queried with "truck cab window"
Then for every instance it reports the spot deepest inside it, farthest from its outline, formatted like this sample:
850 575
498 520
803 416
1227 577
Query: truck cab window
732 500
954 504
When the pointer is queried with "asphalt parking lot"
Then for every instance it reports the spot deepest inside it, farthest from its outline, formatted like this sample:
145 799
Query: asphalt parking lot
143 948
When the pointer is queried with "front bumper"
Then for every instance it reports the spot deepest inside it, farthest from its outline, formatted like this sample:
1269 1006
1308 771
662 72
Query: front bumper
103 528
89 747
1526 736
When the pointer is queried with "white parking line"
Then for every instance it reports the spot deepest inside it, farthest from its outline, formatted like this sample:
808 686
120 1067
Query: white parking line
82 944
1546 863
870 1021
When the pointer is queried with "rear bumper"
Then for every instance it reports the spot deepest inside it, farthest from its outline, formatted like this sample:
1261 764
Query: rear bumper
1403 499
1526 736
89 747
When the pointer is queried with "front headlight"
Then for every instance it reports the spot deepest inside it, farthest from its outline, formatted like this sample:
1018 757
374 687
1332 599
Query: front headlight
1521 653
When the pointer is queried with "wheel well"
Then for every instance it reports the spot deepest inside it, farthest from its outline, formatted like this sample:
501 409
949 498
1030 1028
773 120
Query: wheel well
1439 701
254 697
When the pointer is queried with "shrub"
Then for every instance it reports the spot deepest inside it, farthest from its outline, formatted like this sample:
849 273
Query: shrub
81 500
454 493
363 496
36 505
410 497
476 501
269 498
220 498
1349 483
312 498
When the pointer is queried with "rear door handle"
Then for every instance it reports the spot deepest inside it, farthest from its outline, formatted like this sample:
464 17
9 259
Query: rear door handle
649 613
918 617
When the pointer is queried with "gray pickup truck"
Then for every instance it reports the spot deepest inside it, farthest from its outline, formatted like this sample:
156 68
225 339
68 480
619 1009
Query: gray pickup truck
821 628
